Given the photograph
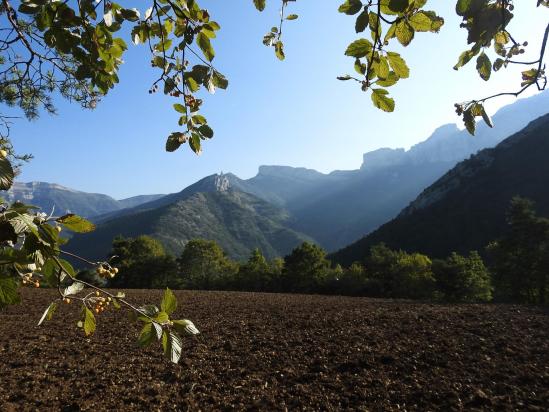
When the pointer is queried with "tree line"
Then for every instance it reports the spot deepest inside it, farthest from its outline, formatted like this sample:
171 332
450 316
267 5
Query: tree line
515 268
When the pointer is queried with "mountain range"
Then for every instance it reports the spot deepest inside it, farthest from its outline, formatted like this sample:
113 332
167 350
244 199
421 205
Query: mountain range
53 197
281 206
211 209
466 208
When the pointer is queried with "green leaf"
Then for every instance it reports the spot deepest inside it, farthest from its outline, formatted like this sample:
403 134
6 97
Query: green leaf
9 291
175 346
420 21
76 223
204 43
73 289
179 108
484 66
394 6
48 313
469 121
350 7
6 174
219 80
259 4
382 101
198 119
391 79
462 7
485 116
206 131
149 310
194 143
279 50
398 65
343 78
498 64
169 302
89 321
382 68
404 32
185 327
362 21
465 57
292 17
67 268
147 336
359 48
175 140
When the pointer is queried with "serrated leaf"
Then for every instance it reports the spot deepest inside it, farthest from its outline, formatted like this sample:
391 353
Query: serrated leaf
391 79
157 329
404 32
89 322
147 336
469 121
465 57
420 21
174 141
205 45
350 7
398 65
176 346
185 326
362 21
485 117
279 50
359 48
6 174
169 302
259 4
73 289
76 223
179 108
463 6
219 80
382 101
206 131
149 310
484 66
48 313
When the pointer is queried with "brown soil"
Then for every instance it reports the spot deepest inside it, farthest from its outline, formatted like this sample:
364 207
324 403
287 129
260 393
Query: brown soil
278 352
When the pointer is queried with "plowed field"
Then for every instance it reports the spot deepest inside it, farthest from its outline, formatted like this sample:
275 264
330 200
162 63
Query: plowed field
280 352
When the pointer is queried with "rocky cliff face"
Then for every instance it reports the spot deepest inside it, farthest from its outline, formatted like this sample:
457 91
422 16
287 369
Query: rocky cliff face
382 158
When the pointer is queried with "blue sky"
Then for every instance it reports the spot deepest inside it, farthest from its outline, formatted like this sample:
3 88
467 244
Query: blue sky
287 113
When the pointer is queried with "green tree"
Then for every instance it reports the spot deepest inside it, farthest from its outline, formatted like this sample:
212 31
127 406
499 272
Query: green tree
254 275
141 262
354 280
463 279
520 261
204 265
398 274
305 269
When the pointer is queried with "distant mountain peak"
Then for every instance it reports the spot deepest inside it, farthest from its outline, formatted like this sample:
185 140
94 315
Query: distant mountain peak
221 182
383 157
288 172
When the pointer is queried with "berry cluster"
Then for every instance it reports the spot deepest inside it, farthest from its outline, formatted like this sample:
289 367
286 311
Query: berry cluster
29 280
106 271
101 303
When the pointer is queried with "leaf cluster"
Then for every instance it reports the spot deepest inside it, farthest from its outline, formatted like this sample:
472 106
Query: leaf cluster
377 67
